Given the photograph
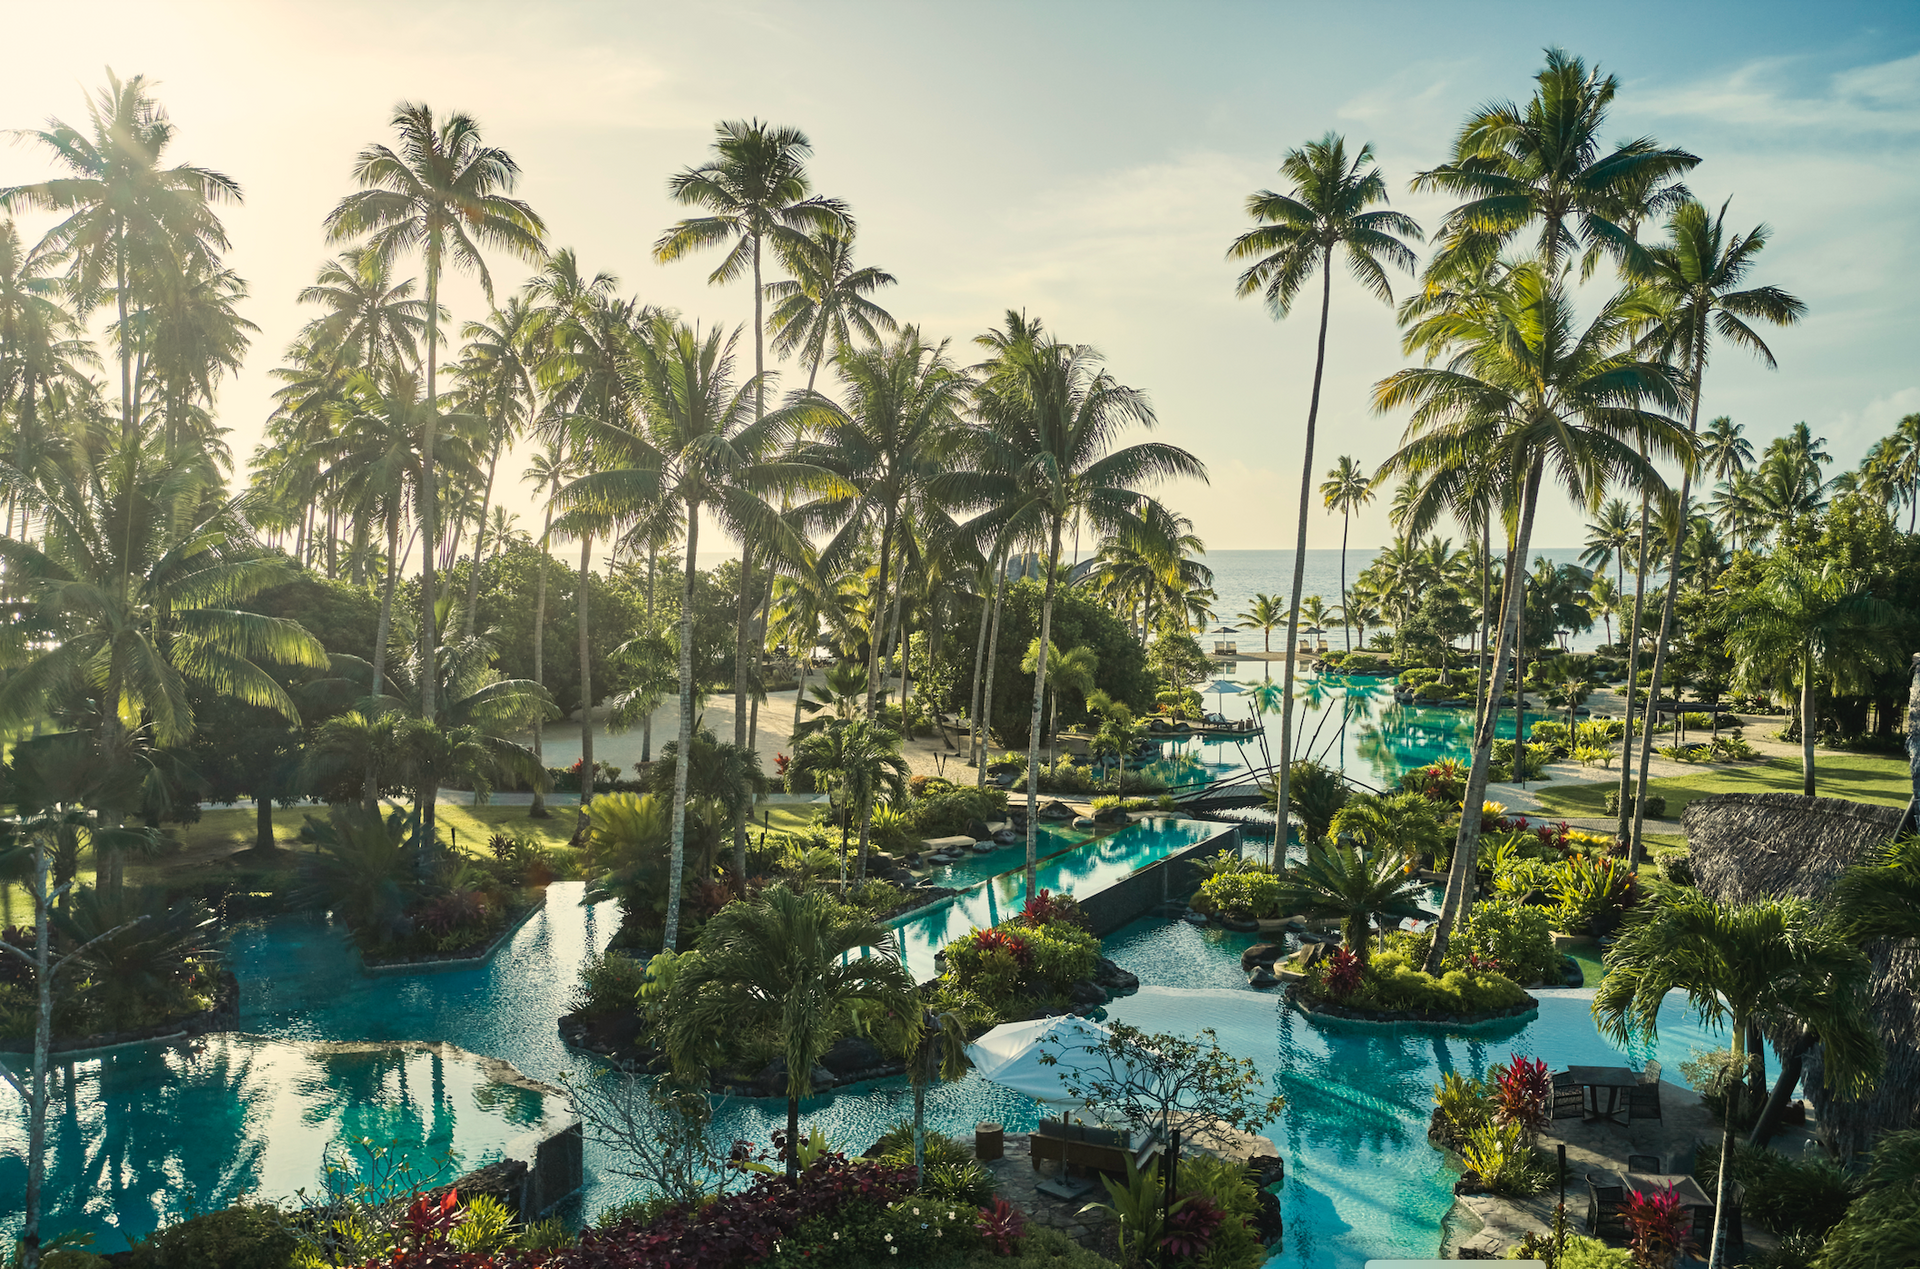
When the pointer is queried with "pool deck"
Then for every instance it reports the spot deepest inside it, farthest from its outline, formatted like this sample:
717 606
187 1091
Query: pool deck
1490 1223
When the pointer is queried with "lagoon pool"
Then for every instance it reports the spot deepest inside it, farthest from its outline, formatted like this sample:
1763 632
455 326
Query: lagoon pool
150 1133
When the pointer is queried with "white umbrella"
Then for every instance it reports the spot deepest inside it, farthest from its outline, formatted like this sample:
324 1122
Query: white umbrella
1009 1055
1220 688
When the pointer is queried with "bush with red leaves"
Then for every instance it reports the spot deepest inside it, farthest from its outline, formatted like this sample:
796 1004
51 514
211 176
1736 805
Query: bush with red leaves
1191 1229
424 1245
1046 907
1522 1093
1343 974
1001 1227
1000 940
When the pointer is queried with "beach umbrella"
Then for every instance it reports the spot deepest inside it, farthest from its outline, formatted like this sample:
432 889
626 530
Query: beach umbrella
1010 1054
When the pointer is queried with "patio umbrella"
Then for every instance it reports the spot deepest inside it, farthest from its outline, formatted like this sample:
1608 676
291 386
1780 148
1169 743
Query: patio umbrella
1219 688
1009 1055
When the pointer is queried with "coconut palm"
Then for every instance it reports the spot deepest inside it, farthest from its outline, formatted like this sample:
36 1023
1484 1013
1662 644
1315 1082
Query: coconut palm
1879 898
1266 612
722 778
1536 391
802 603
185 336
444 193
1602 601
1298 234
1359 887
786 967
1805 624
898 431
1346 489
547 472
1697 277
1543 162
497 371
1891 469
699 450
1765 964
42 349
139 583
369 320
1724 452
124 213
1406 823
1049 420
825 304
1610 539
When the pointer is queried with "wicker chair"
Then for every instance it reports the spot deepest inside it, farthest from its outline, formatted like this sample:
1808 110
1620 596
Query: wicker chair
1569 1099
1643 1102
1605 1204
1651 1073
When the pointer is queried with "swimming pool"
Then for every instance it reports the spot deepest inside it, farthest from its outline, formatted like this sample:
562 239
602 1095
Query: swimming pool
972 869
1092 865
1362 1180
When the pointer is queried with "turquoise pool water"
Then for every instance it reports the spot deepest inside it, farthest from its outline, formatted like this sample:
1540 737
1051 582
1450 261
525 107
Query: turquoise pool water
971 869
1090 866
143 1134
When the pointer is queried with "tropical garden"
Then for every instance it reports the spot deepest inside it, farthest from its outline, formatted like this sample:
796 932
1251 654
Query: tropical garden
352 628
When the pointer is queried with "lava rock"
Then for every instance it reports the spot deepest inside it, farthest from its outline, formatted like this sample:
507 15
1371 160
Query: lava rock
1084 821
1469 1183
1261 954
849 1055
1006 837
1268 1169
1268 1226
978 828
772 1079
1110 815
1116 980
1262 976
1086 993
1055 810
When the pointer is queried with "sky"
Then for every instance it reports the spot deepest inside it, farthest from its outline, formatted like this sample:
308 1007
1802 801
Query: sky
1087 163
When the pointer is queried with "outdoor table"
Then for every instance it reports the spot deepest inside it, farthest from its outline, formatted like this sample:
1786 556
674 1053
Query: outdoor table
1611 1078
1689 1192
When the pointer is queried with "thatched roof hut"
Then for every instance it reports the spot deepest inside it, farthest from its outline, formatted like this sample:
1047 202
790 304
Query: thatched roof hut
1749 846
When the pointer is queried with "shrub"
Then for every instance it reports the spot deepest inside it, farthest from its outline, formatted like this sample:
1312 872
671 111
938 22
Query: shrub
1522 1093
895 1146
1012 962
1046 907
1391 983
967 1181
1460 1105
1805 1196
1242 895
242 1237
1444 781
1506 1163
1883 1225
1593 894
945 813
1509 938
1552 734
1658 1227
1229 1188
1590 1253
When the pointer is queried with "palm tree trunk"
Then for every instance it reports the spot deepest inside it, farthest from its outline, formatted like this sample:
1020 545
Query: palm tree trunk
479 540
900 650
742 612
800 691
1466 849
586 675
1666 614
370 789
979 663
1346 600
1280 803
793 1132
646 727
1033 732
677 850
877 618
1717 1249
983 692
539 810
429 506
1807 723
1624 831
866 826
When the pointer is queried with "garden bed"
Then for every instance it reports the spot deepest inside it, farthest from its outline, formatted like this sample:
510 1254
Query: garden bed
222 1015
474 954
1318 1009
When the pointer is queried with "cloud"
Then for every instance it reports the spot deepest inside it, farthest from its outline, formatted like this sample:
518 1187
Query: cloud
1863 100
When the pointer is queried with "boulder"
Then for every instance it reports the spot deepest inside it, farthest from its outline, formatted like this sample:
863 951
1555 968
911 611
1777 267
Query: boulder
1006 836
1086 993
1268 1226
978 828
985 847
1116 980
772 1079
1262 976
1261 954
1055 810
1111 815
1084 821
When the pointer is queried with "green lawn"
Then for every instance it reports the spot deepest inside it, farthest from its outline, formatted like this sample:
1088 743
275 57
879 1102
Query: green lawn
1859 777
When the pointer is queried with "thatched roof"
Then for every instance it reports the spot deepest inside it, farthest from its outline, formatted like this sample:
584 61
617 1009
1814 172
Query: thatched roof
1750 846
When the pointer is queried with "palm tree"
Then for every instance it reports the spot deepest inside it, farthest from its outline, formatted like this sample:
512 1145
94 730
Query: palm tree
1724 452
445 193
1358 887
826 304
1891 469
1803 624
1049 419
370 320
141 575
1297 235
1266 612
1543 161
1609 538
1528 386
1602 600
788 965
125 214
1879 898
1765 964
1697 276
42 348
723 779
899 430
547 472
700 449
498 371
1346 489
1071 671
860 760
1406 823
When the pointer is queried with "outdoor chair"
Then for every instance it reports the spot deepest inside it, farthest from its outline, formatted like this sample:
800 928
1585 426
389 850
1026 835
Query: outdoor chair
1604 1203
1643 1102
1569 1099
1651 1075
1649 1163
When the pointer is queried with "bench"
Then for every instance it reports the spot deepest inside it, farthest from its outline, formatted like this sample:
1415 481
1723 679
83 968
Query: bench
1103 1150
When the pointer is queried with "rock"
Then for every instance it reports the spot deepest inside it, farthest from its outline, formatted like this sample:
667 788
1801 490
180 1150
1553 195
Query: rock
1267 1223
1086 993
1469 1183
1262 976
1006 837
1111 815
1196 918
1261 954
850 1055
1116 980
1269 1169
772 1079
985 846
1243 926
1055 810
979 828
1084 821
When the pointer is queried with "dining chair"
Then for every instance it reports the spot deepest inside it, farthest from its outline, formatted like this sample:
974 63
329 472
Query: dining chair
1604 1203
1643 1102
1569 1098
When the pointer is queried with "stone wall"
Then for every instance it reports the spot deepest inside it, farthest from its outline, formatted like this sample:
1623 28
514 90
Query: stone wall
538 1171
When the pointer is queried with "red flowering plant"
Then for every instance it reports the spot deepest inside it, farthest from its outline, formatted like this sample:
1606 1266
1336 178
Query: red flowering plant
1522 1093
1342 974
1659 1228
1001 1226
1046 907
1190 1230
1001 940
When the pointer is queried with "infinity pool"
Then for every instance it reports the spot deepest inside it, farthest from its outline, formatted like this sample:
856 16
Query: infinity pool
1090 866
